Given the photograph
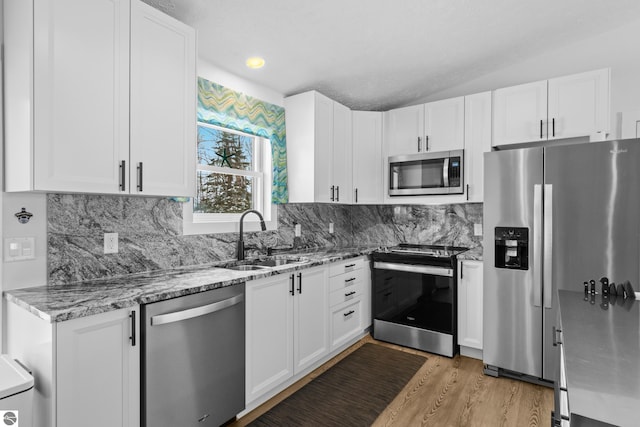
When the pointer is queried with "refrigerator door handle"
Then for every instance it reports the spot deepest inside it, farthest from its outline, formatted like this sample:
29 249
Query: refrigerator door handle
537 245
548 244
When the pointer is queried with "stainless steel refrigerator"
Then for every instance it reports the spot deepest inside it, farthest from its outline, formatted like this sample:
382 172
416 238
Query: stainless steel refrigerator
554 217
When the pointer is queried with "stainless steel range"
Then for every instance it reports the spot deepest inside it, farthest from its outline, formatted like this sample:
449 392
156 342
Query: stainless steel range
414 297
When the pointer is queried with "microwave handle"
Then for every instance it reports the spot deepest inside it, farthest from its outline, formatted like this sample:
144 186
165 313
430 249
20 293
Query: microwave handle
445 172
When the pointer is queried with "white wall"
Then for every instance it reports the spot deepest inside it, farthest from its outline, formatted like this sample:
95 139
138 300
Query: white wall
618 49
218 75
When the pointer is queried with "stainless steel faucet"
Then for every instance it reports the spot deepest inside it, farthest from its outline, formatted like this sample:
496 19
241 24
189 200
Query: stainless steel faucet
240 249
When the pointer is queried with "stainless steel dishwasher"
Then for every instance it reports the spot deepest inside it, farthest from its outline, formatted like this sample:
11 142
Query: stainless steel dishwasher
193 359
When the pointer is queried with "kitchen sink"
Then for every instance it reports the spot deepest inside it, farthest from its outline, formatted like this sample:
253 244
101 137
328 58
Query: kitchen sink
264 263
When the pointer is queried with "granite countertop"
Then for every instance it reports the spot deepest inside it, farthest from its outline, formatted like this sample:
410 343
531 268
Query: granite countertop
65 302
473 254
602 358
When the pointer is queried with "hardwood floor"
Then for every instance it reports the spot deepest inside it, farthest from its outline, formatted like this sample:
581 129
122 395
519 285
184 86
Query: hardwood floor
447 392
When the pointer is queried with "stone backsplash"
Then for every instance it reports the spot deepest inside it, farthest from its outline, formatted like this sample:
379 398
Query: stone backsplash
150 232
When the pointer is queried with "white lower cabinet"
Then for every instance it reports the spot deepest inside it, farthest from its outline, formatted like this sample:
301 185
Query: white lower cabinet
297 321
287 327
87 370
470 304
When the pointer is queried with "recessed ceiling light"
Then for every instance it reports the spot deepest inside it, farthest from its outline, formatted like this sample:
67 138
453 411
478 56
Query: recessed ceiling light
255 62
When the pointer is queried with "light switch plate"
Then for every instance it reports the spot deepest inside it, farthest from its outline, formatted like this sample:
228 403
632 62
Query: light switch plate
477 229
19 248
330 228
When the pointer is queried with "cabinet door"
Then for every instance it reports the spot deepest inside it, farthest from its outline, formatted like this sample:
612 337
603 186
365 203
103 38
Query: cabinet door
367 157
311 330
470 304
477 141
98 370
444 125
342 164
520 113
80 81
323 149
269 334
579 104
404 130
163 104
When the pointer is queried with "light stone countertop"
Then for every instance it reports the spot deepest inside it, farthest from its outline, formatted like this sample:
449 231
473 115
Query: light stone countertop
473 254
69 301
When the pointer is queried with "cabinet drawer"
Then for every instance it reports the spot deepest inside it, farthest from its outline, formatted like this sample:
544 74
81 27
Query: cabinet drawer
346 266
347 280
350 293
346 321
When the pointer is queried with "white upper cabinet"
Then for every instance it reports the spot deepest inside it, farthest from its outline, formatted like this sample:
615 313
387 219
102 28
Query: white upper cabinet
565 107
477 141
70 71
342 163
163 109
318 149
435 126
444 125
404 130
367 157
579 104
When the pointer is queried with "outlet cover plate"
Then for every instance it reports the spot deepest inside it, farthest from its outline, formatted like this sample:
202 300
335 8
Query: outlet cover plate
477 229
110 243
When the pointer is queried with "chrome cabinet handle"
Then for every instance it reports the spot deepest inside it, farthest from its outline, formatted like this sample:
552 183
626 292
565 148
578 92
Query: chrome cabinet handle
350 293
337 193
299 283
190 313
292 289
462 270
426 142
349 280
349 313
419 144
139 176
333 189
132 316
123 175
356 195
467 192
553 126
349 266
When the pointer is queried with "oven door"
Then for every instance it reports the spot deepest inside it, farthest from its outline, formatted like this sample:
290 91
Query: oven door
414 305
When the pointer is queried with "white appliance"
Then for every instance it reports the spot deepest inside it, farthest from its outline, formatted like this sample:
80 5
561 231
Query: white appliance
16 393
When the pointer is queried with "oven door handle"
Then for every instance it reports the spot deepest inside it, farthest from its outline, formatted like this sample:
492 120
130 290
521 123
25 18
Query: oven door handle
412 268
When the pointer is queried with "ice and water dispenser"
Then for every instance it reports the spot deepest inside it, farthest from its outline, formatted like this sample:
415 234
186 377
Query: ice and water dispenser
512 247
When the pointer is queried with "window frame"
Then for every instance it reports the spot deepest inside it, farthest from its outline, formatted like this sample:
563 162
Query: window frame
210 223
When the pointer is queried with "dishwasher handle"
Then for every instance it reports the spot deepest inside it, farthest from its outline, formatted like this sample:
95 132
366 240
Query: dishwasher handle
178 316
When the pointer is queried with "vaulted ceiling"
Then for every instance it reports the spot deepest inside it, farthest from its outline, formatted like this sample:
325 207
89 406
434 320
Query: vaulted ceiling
380 54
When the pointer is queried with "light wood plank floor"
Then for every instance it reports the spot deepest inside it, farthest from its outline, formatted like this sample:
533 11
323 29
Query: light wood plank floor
446 392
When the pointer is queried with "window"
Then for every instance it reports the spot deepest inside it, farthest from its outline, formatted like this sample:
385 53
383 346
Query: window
233 174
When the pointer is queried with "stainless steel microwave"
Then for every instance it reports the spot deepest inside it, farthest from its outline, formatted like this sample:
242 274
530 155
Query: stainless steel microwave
426 173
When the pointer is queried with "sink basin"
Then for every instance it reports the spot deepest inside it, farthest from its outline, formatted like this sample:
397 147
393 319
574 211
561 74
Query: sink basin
265 263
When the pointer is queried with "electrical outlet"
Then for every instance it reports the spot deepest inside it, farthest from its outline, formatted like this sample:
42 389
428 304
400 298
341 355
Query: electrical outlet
477 229
330 228
110 243
298 230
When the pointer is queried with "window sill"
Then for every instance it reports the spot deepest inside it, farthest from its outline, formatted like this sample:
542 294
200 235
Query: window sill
251 223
